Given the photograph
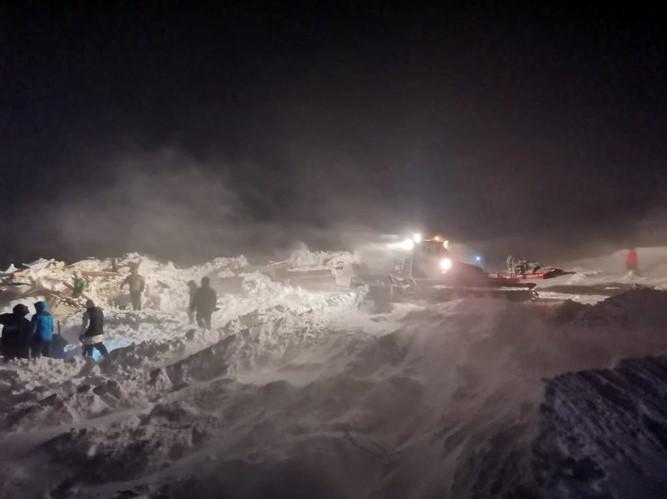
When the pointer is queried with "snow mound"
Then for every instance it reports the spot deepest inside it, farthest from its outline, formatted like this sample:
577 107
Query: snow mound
604 432
304 258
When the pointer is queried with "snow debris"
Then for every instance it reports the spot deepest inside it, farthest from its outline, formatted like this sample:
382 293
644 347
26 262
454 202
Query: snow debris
301 390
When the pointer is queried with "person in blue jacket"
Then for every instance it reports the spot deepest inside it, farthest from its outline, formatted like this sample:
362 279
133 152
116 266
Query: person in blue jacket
42 330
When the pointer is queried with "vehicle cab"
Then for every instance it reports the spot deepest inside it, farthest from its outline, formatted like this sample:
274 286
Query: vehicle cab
430 258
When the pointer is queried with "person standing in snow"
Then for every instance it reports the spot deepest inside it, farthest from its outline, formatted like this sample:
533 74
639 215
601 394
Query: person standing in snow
93 330
79 284
204 303
192 289
632 262
42 330
16 333
137 284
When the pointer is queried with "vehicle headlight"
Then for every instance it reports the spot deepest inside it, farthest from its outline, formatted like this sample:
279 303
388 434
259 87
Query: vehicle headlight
417 238
445 264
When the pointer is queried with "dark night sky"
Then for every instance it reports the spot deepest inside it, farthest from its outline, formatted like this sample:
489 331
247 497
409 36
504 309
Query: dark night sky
192 131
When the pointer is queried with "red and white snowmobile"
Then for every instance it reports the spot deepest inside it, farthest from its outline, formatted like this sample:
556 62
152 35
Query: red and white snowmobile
520 269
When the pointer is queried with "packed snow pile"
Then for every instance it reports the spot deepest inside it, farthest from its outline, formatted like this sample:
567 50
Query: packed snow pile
303 258
166 285
302 393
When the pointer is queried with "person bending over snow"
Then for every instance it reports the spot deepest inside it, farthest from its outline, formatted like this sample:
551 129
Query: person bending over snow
93 330
79 285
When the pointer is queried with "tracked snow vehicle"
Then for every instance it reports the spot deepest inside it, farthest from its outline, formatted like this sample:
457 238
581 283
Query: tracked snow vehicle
424 270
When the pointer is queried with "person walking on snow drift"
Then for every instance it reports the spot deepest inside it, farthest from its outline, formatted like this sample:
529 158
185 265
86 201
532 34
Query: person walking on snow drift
204 303
632 262
137 284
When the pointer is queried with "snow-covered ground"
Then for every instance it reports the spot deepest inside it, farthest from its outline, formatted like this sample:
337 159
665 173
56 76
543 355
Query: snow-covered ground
299 393
595 279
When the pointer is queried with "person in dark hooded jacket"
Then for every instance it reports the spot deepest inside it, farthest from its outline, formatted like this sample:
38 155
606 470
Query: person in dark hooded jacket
16 333
93 330
204 303
42 330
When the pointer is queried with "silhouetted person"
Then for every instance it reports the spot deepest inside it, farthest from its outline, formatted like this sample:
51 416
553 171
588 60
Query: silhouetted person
93 330
632 262
192 289
204 304
16 333
136 284
42 330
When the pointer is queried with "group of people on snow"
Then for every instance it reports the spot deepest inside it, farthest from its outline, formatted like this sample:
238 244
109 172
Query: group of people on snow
25 339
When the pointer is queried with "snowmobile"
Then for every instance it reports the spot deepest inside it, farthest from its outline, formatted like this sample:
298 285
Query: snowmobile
520 269
424 270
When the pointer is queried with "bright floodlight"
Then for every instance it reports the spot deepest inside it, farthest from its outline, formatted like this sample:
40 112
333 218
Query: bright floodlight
417 237
445 264
478 258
